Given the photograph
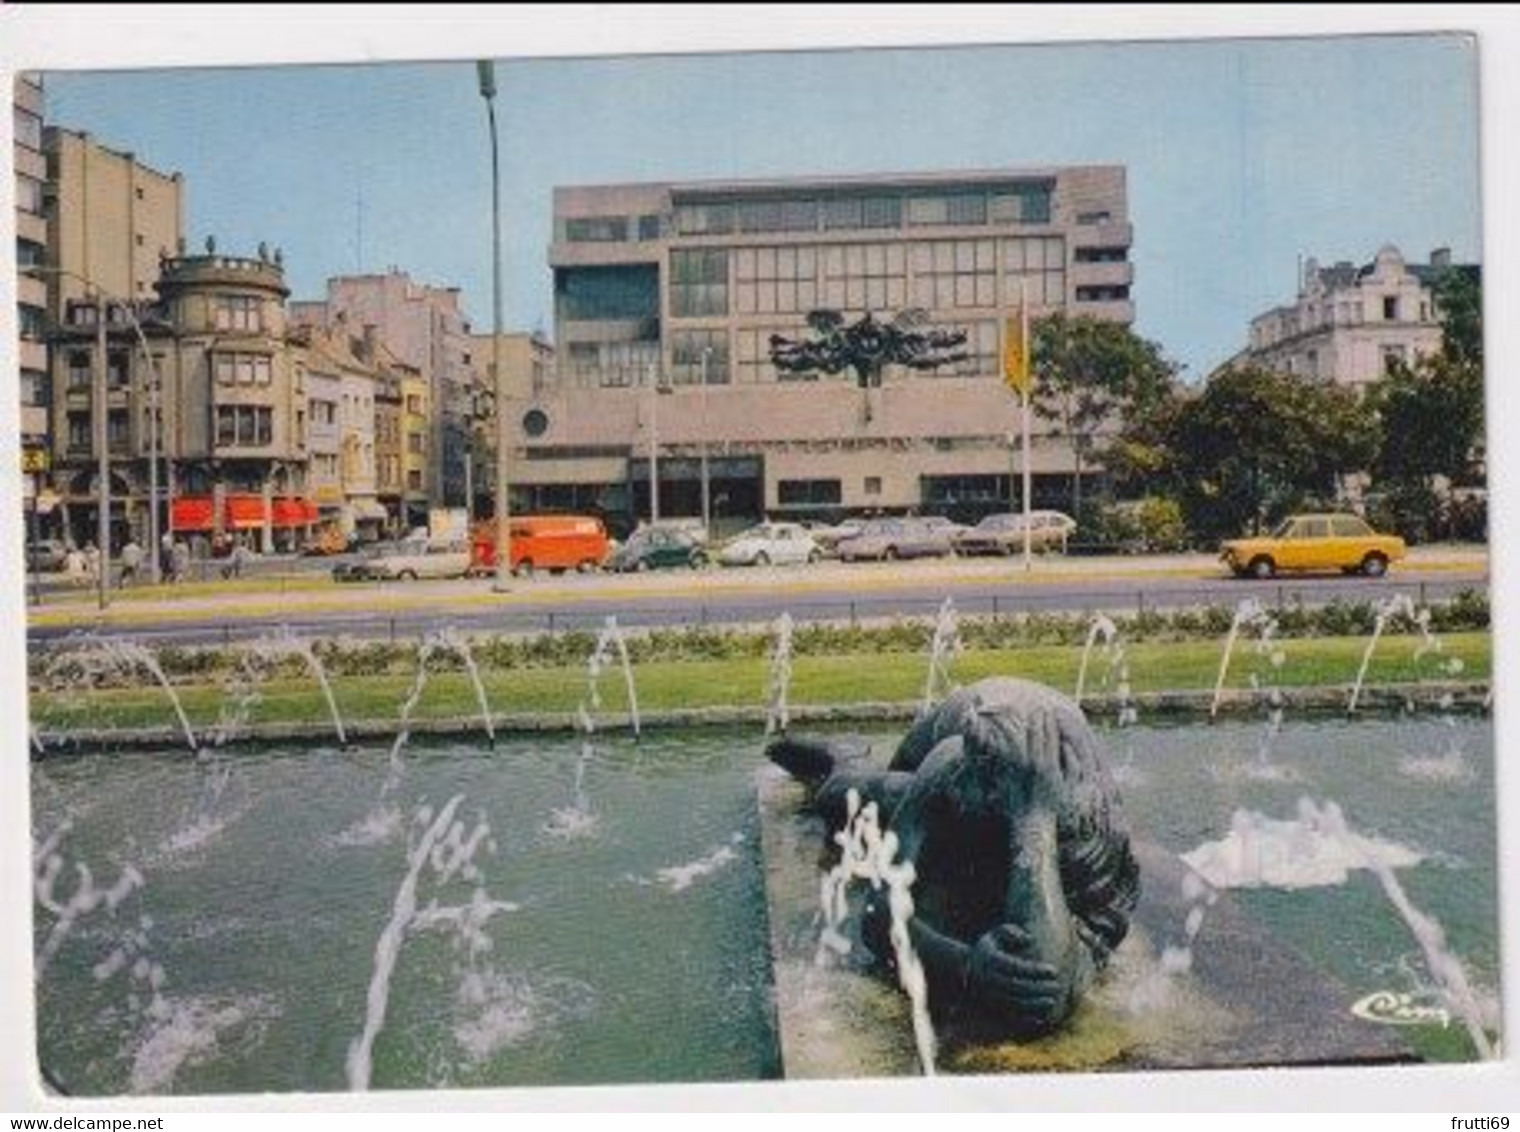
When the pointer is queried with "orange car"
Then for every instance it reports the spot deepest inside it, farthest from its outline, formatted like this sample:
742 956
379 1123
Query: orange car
544 542
1315 542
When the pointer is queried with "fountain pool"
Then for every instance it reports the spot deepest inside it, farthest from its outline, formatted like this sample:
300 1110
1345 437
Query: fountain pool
639 952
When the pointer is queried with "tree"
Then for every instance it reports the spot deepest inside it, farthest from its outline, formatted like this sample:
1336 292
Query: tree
1431 415
1090 374
1254 444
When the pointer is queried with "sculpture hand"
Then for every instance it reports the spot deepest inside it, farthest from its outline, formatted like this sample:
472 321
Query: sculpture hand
1006 975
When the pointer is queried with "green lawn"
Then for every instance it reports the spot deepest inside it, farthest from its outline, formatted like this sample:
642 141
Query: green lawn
664 685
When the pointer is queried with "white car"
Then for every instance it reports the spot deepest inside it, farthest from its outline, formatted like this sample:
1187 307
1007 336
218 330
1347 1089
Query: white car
409 561
770 544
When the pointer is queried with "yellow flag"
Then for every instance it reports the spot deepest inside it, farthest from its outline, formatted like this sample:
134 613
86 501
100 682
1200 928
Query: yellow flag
1016 355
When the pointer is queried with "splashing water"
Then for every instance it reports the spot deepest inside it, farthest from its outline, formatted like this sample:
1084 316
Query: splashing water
1101 628
577 819
451 640
1444 966
1154 991
286 644
425 650
779 677
611 637
866 853
87 897
944 647
1248 615
444 850
110 659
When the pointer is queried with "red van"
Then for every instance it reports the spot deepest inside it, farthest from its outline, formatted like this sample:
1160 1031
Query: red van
544 542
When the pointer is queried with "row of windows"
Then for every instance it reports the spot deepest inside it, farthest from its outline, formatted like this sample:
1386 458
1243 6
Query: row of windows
945 274
1021 204
239 312
245 426
610 229
242 369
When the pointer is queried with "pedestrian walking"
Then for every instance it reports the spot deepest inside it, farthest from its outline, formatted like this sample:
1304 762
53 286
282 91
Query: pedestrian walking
74 567
179 562
131 563
91 563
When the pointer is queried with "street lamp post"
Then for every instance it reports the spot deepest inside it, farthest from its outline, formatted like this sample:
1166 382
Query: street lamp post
706 485
102 455
654 447
486 72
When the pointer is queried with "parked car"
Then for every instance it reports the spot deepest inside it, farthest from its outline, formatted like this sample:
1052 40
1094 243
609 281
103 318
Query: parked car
889 539
409 561
544 542
654 548
46 554
768 543
1315 542
1004 533
828 536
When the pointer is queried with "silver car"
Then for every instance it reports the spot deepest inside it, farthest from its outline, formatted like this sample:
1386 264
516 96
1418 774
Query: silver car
889 539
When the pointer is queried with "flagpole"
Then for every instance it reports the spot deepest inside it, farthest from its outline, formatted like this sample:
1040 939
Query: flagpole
1024 422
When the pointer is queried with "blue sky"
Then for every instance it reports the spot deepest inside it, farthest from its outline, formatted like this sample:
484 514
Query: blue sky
1242 155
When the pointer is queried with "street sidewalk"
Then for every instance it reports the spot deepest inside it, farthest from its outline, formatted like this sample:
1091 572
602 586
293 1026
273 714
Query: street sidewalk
261 597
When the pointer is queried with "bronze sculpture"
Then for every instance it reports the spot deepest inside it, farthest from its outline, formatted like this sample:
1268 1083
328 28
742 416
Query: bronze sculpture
1025 880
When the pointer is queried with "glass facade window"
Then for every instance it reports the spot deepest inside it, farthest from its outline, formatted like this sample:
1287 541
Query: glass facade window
954 273
808 493
1024 204
775 280
753 355
29 253
705 219
699 282
778 216
689 348
596 230
865 277
608 294
1112 294
612 364
1040 261
1100 255
982 350
649 227
947 208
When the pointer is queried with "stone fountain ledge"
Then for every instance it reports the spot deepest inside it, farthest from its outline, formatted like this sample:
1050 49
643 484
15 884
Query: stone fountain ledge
1465 697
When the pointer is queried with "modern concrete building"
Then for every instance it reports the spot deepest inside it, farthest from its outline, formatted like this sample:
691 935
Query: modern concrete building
229 431
31 291
110 220
1348 324
677 288
424 327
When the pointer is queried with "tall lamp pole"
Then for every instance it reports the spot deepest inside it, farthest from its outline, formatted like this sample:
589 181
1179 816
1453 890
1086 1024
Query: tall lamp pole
706 483
486 71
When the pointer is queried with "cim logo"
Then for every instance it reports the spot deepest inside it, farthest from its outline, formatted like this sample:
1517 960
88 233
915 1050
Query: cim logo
1393 1009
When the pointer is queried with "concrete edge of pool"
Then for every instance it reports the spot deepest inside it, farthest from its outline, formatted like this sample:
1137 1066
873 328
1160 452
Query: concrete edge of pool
1465 697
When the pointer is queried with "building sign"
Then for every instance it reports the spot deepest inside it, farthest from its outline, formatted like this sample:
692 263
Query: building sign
35 461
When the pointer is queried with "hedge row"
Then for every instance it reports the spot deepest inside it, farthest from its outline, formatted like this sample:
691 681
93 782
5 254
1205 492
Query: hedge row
73 666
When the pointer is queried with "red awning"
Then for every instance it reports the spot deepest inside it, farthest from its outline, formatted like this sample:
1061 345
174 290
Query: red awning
294 513
192 513
245 512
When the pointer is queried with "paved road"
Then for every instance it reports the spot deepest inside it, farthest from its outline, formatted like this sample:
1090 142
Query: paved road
829 592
